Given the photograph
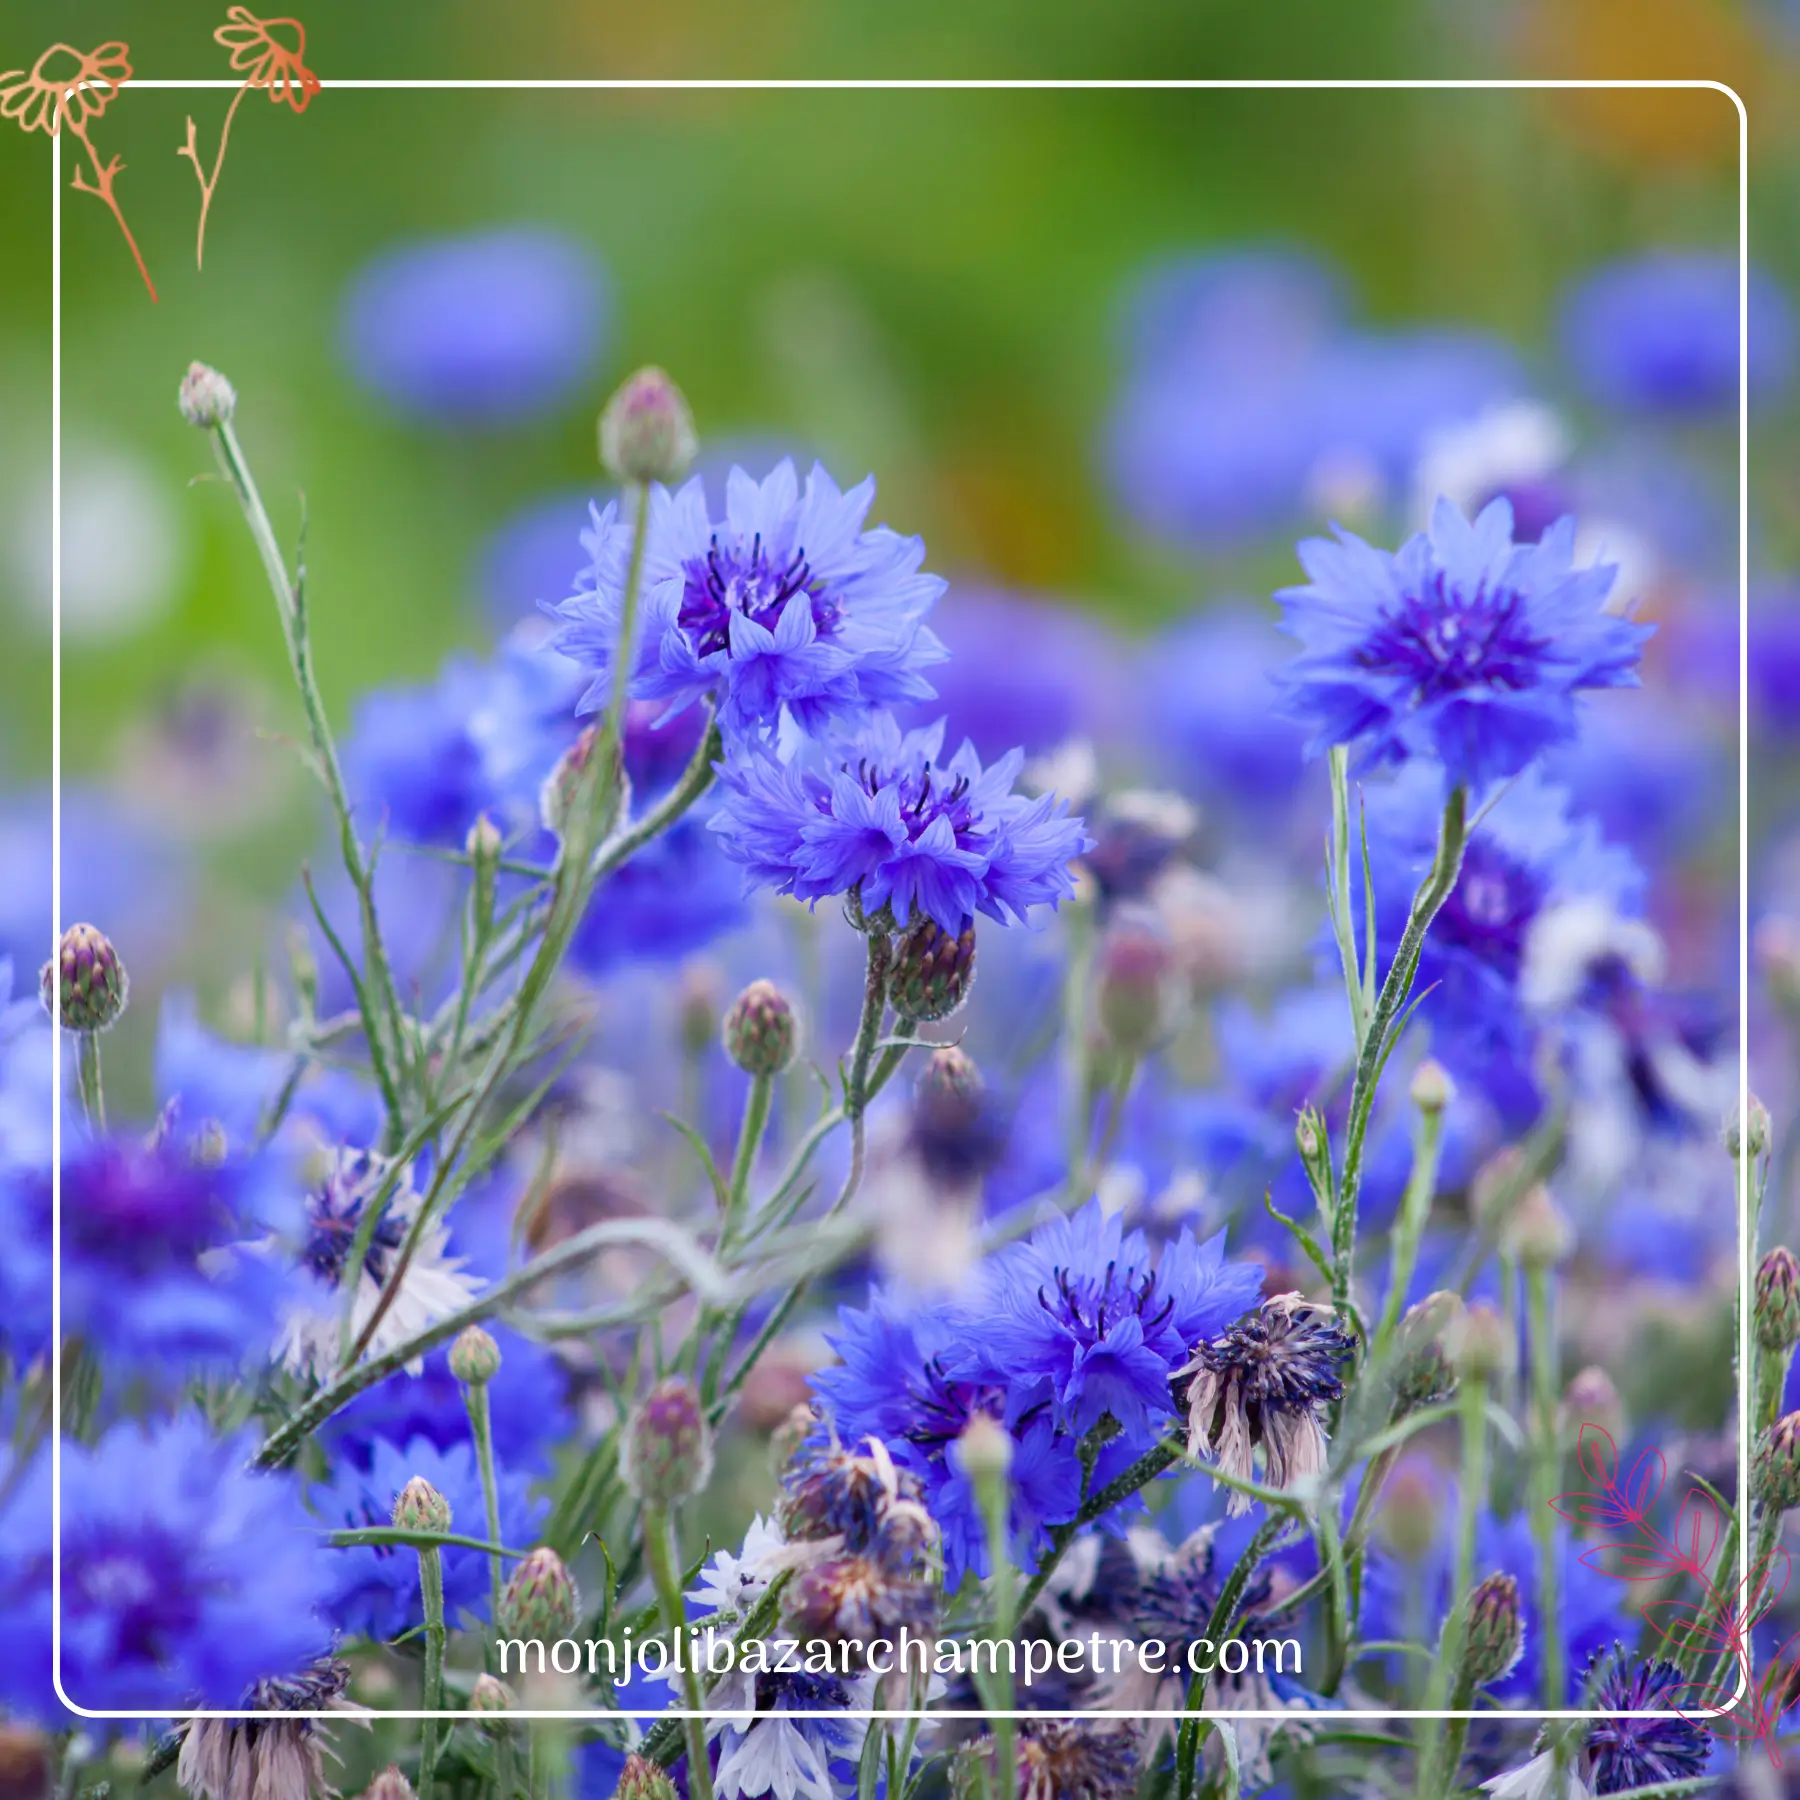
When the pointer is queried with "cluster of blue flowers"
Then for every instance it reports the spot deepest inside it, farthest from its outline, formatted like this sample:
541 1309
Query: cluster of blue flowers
1086 1193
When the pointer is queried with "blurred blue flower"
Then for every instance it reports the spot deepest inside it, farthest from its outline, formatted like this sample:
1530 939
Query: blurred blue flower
1213 728
374 1588
185 1577
1250 399
787 607
904 827
533 555
1461 647
525 1408
211 1080
483 329
675 896
1659 332
1527 854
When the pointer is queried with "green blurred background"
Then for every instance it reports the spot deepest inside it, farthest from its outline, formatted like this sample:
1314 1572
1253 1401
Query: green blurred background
922 283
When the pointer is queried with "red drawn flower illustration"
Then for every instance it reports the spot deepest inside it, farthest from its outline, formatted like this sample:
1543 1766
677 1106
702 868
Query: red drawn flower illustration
271 54
71 87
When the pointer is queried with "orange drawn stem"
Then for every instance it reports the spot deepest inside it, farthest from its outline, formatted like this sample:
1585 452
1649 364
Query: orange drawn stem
208 183
103 190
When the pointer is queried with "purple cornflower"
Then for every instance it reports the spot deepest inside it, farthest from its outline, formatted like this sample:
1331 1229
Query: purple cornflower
1462 646
786 607
901 826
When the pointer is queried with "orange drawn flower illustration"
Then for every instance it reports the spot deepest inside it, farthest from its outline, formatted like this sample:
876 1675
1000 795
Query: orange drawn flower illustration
258 47
71 87
270 53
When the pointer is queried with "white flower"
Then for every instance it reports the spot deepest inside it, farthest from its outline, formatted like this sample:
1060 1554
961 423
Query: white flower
734 1583
1536 1780
432 1287
1510 445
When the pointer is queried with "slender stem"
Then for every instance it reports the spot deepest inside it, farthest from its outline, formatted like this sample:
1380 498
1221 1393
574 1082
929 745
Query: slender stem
749 1143
381 1021
993 1496
87 1079
103 176
505 1780
857 1091
1546 1465
431 1587
660 1552
1356 978
481 1428
191 150
1409 1228
1372 1058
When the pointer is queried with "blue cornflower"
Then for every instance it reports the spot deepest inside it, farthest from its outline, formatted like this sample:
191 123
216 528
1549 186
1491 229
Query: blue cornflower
785 607
1620 1754
185 1579
896 1382
1660 333
483 329
157 1268
1084 1318
373 1589
1460 647
901 826
525 1406
1527 854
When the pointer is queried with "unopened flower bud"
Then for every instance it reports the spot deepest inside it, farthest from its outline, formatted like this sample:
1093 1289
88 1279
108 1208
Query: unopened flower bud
491 1695
483 841
761 1033
1496 1181
474 1357
1775 1477
667 1453
1137 999
562 786
644 1779
539 1600
1410 1510
984 1451
209 1146
1591 1398
390 1784
1423 1374
85 981
1432 1088
1778 1300
206 398
646 431
420 1507
1748 1136
1495 1634
24 1762
793 1431
1536 1231
1478 1344
933 970
950 1077
1310 1136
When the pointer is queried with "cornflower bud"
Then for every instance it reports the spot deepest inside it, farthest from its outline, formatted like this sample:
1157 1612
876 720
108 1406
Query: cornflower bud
420 1507
1776 1471
1748 1136
933 971
1592 1399
642 1779
1495 1636
1778 1301
556 798
1479 1346
699 1005
85 981
491 1695
390 1784
1536 1231
984 1451
474 1357
646 431
24 1763
1137 999
761 1033
539 1600
1423 1374
1410 1510
667 1452
206 398
1432 1088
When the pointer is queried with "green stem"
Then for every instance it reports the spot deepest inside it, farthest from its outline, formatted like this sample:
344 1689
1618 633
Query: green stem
431 1586
505 1780
1389 1003
1356 978
660 1552
1409 1228
381 1021
862 1055
481 1428
1546 1466
87 1079
749 1144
